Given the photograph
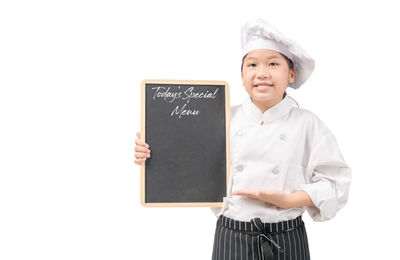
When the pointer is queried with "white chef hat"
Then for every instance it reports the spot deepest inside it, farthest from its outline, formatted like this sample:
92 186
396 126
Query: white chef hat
258 34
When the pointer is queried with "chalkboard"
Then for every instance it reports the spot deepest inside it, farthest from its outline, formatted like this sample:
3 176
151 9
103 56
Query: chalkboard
186 124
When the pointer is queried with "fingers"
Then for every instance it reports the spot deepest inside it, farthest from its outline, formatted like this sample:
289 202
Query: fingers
140 161
141 143
141 150
247 193
238 192
142 155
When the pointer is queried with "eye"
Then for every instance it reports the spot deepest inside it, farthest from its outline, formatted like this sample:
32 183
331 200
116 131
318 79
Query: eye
251 65
273 64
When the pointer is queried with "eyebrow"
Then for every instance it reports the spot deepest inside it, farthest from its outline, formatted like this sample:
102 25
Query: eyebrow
269 57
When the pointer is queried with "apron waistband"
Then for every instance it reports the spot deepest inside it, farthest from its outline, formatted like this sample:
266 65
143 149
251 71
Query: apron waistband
256 224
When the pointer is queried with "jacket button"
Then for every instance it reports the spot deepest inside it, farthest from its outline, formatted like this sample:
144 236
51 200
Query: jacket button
282 137
275 170
239 133
239 168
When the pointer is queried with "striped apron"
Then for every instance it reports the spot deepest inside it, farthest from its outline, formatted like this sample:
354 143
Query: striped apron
241 240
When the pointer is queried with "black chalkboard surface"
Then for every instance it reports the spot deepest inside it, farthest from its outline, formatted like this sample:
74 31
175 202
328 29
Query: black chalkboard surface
186 124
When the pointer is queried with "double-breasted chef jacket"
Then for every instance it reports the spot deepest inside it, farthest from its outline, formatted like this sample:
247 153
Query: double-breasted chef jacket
285 148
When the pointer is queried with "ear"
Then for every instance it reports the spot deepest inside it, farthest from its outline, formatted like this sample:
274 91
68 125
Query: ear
292 75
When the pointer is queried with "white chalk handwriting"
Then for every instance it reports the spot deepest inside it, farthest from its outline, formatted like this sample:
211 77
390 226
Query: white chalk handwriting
184 112
170 95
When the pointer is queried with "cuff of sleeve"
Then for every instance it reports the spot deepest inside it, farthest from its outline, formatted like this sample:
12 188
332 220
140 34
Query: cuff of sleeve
323 196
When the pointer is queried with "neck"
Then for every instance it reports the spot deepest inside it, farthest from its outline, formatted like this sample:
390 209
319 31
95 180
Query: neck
263 106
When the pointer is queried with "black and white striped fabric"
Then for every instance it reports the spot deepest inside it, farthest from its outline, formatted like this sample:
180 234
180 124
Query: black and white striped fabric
255 240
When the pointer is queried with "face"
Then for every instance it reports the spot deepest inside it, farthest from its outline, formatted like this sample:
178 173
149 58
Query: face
265 76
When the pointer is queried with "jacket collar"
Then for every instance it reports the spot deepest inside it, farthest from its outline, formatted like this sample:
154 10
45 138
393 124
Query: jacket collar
254 114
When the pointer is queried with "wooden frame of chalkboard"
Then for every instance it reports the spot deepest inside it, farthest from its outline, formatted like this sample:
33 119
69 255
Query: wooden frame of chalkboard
186 124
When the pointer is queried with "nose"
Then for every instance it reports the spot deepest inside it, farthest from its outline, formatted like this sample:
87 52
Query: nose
263 72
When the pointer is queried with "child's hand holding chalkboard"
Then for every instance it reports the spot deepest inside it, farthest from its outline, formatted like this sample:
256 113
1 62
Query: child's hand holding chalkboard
141 150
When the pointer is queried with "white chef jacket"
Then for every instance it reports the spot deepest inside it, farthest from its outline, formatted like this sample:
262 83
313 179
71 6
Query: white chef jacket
285 148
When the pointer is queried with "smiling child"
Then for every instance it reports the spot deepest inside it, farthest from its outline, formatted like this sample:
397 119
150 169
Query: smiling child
284 159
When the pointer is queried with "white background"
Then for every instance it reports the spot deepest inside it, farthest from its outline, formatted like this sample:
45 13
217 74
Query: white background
70 74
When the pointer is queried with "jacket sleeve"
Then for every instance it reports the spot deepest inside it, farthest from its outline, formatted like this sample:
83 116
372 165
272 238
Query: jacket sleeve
329 179
216 211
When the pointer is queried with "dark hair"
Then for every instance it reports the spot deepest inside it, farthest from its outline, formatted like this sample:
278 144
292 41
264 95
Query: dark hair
289 62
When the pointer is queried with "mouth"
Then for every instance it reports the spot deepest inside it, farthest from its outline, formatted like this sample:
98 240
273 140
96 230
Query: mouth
263 86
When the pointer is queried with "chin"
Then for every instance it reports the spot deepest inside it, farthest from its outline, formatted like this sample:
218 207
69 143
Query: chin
259 97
